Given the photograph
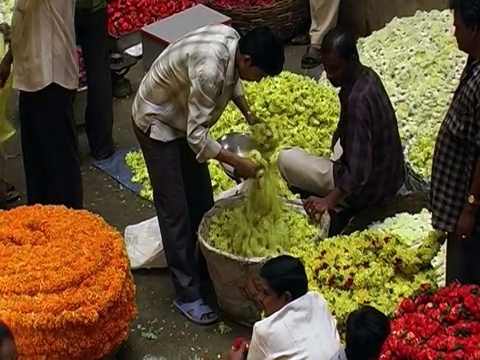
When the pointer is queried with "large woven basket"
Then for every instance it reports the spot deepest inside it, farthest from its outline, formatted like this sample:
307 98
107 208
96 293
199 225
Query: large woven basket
413 204
284 17
230 273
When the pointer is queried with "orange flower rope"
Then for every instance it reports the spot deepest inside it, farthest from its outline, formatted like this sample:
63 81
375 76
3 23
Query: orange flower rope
65 283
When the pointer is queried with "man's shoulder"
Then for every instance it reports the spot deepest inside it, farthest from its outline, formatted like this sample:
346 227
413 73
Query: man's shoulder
368 88
340 355
215 32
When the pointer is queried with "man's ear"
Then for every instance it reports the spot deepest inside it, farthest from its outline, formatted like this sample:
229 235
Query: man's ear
288 297
247 60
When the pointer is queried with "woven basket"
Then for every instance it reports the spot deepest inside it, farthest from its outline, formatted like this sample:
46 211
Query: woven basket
283 16
230 273
413 204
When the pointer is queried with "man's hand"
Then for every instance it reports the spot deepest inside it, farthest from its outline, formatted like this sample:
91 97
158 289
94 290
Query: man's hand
246 168
238 354
466 222
315 205
253 288
252 119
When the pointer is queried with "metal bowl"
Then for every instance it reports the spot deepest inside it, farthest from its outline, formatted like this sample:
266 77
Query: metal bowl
237 143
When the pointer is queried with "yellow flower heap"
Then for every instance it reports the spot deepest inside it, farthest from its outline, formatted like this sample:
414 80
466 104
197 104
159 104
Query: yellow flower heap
369 267
262 225
65 284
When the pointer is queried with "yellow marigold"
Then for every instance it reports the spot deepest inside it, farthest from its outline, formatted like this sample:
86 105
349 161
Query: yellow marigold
65 283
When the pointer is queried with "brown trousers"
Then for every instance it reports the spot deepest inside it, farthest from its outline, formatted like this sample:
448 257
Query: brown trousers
182 193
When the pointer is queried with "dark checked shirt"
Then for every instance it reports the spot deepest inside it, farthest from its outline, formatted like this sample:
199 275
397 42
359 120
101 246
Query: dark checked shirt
456 151
372 167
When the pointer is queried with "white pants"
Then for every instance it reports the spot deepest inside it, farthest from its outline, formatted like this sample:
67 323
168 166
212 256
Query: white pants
310 173
324 15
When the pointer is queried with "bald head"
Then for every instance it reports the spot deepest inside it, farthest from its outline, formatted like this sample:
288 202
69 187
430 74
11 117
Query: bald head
341 42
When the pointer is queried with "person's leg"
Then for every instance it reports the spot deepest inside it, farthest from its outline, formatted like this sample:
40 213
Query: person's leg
31 149
324 15
198 187
457 260
55 177
92 37
165 171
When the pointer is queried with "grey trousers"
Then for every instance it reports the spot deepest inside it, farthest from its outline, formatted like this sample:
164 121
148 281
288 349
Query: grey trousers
463 260
182 193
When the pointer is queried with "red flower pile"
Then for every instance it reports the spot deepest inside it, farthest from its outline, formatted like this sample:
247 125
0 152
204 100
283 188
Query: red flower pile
126 16
437 326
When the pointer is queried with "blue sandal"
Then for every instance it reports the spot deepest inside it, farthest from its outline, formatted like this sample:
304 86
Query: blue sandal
197 312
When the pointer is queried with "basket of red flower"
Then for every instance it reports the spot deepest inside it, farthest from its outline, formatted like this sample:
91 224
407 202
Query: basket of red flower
282 16
437 325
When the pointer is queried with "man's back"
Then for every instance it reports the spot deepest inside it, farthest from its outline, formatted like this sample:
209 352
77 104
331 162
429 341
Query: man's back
373 156
43 44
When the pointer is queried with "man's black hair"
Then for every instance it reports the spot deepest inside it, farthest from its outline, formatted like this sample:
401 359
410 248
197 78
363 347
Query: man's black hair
285 274
5 333
469 11
265 49
342 42
367 330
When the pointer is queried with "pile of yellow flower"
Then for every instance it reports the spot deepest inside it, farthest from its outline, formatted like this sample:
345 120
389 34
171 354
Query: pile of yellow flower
65 283
369 267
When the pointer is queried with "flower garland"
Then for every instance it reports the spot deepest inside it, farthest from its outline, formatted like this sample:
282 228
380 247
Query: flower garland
367 267
443 325
65 284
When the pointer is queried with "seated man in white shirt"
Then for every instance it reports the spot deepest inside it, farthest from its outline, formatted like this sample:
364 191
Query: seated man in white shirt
367 330
181 97
298 323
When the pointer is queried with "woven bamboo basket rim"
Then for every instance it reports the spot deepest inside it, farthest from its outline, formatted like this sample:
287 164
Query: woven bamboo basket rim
275 4
224 204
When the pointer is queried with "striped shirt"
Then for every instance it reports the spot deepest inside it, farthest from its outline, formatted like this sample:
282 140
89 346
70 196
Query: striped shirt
456 151
43 44
188 87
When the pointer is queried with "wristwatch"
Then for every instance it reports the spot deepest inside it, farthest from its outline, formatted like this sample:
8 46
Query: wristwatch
472 200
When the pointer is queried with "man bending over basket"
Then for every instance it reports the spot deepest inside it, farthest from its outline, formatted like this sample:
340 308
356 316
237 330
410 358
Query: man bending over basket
367 167
179 99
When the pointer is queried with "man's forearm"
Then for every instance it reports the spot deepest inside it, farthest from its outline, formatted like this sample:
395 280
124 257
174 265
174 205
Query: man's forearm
227 157
336 196
242 105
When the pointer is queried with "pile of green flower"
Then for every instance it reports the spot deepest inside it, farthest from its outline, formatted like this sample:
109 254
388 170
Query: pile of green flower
301 113
260 224
368 267
248 235
411 228
6 11
419 62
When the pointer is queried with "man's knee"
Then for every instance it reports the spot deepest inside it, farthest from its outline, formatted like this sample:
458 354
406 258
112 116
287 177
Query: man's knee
286 158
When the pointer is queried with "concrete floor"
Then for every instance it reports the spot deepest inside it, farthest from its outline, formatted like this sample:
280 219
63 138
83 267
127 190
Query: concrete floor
158 332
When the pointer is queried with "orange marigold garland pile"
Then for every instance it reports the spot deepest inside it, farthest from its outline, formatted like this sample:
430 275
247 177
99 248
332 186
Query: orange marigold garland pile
65 283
